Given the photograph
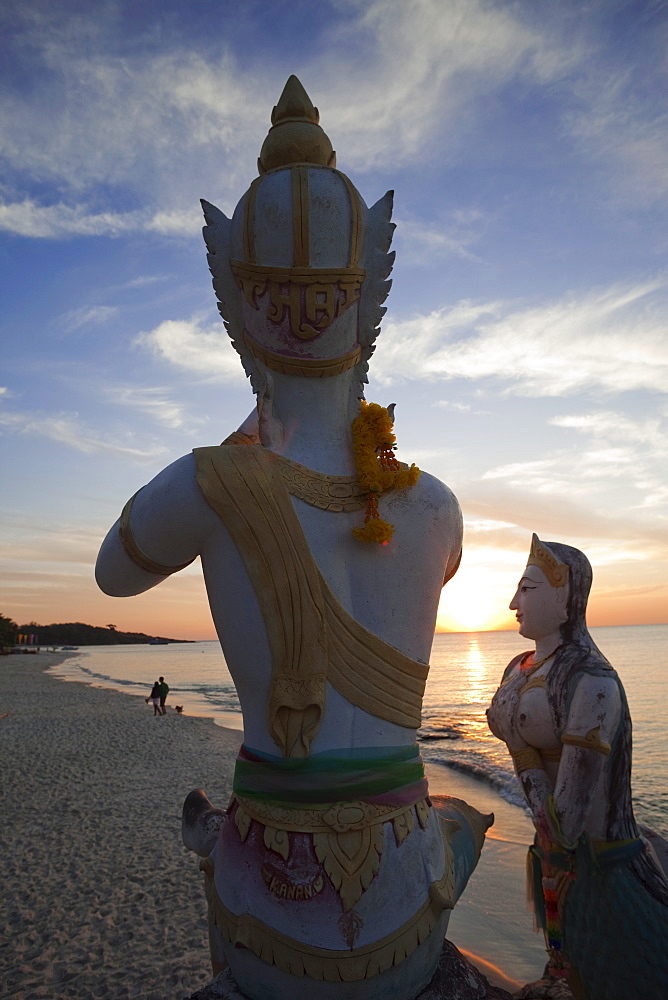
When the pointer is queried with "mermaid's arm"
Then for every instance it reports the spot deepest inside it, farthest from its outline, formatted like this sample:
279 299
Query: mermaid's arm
531 775
592 720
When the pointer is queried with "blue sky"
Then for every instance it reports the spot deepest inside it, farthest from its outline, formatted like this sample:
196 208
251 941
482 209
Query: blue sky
525 341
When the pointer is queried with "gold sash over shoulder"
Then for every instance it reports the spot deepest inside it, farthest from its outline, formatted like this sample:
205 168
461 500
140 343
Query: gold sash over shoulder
312 637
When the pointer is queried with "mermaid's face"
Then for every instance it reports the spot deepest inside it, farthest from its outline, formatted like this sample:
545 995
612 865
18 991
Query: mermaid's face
540 608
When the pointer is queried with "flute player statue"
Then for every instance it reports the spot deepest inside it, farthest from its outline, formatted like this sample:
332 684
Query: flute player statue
331 874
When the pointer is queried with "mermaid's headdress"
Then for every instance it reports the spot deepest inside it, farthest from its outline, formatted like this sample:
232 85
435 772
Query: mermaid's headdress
300 270
541 556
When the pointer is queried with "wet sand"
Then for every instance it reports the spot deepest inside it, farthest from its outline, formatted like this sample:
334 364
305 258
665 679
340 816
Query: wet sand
99 900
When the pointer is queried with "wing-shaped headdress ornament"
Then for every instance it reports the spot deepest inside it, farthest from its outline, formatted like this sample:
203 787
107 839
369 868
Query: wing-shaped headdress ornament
300 270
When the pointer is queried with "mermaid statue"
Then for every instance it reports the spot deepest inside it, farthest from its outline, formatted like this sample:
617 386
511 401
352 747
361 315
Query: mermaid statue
331 873
597 881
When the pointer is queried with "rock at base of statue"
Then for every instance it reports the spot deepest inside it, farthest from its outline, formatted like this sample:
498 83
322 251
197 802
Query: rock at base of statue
454 979
544 989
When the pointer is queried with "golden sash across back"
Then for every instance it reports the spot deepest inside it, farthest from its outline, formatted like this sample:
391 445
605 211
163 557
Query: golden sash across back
312 637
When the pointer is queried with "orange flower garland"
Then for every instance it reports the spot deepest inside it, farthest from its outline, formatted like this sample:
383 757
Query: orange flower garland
377 468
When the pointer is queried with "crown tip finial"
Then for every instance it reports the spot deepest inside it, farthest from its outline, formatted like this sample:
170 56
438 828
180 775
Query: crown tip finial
294 102
295 135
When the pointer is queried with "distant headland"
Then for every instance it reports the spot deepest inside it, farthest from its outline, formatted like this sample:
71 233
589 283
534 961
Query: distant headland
73 634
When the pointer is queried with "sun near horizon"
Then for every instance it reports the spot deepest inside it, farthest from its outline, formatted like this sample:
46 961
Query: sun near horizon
475 600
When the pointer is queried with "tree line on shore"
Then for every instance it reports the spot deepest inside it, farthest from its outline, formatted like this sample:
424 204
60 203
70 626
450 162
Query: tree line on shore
71 634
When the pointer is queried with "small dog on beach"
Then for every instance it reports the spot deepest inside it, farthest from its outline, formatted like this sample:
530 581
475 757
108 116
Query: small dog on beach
178 709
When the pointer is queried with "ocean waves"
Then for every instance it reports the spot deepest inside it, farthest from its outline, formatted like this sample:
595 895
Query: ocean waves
465 746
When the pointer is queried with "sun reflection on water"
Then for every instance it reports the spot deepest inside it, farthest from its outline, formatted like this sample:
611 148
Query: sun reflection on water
475 671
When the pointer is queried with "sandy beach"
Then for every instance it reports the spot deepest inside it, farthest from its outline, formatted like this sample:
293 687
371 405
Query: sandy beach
99 897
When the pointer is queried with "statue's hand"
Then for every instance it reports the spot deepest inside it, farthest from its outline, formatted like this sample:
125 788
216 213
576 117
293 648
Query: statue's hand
200 823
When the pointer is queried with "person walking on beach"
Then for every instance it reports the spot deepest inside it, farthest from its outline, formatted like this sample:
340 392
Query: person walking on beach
155 698
164 691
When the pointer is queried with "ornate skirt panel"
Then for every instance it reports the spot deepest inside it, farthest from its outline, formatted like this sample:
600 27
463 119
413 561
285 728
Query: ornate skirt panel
349 882
331 965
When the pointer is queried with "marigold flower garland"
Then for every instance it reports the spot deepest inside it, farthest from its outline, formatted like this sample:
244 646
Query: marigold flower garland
377 468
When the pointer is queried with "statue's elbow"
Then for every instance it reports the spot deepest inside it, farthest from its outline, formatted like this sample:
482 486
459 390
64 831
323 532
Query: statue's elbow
107 583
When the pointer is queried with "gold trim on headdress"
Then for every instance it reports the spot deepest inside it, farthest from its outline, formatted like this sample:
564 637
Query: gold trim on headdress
540 556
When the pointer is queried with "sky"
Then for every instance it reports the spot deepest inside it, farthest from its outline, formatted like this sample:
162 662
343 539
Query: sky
525 341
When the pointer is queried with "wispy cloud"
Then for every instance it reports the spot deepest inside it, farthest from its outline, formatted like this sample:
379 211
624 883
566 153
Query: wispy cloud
624 126
634 449
154 401
610 425
145 279
612 338
121 121
449 404
23 540
117 121
562 510
634 466
58 221
451 55
419 242
195 347
163 125
88 316
68 429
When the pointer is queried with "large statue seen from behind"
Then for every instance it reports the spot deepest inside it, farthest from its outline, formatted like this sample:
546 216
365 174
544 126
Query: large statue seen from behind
597 880
331 874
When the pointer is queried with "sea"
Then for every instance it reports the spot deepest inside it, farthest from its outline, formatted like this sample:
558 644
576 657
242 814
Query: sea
465 672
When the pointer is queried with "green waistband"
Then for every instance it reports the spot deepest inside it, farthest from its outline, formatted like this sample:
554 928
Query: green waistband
321 778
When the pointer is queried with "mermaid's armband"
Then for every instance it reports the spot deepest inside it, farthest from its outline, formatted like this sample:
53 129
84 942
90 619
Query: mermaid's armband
526 759
590 741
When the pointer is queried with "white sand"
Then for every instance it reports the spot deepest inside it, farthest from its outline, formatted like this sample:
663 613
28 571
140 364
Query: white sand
99 898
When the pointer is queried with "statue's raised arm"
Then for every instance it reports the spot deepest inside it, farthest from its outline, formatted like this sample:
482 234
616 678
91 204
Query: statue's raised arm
331 874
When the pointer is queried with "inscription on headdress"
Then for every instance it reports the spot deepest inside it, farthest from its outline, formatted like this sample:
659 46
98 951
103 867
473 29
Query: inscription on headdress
313 298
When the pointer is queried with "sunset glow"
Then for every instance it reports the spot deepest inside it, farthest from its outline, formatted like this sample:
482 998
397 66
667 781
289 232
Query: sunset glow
524 340
469 603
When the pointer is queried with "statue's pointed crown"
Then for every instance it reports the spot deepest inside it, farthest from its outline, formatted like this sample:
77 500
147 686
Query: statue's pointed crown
295 103
295 135
540 556
301 270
